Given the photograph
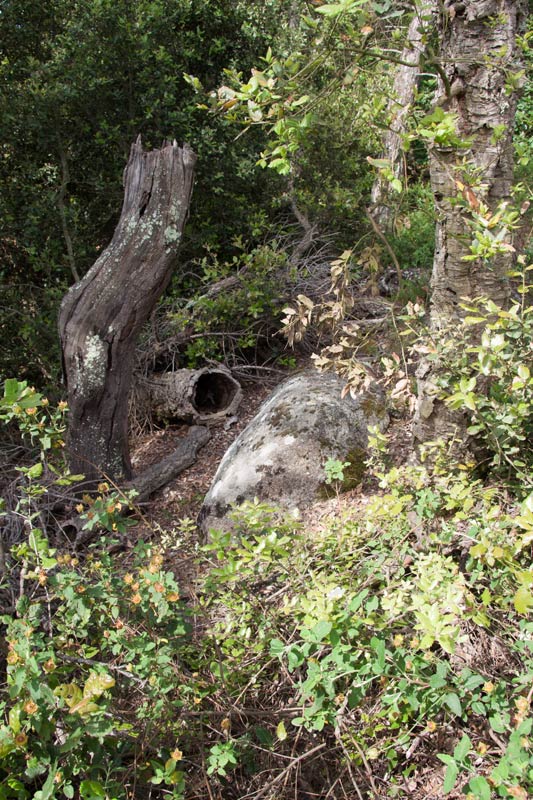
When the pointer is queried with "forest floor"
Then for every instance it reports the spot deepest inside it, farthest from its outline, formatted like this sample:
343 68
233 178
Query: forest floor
174 510
182 498
344 536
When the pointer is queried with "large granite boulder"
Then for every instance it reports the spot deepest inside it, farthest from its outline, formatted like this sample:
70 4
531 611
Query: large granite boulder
280 456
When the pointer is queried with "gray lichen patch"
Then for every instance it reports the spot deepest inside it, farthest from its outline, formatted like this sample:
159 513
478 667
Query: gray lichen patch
171 235
147 228
93 368
174 211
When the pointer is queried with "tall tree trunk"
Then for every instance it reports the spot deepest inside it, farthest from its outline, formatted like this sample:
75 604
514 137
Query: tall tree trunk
399 107
478 52
101 315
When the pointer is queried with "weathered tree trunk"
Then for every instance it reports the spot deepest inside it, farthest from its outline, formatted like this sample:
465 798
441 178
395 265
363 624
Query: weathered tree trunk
478 52
399 107
101 315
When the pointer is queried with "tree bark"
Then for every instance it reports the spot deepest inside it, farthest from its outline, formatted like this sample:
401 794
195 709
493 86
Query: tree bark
478 52
101 315
399 107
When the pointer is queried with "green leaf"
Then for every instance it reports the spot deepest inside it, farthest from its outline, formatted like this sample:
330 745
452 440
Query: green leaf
281 165
91 789
322 629
276 647
281 731
96 684
331 9
193 81
380 163
462 749
7 742
497 723
49 785
301 101
450 777
70 692
523 600
12 388
30 402
36 471
480 787
264 736
14 718
454 704
379 646
297 721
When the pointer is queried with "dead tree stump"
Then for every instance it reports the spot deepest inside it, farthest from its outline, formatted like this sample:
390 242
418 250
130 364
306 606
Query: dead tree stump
101 315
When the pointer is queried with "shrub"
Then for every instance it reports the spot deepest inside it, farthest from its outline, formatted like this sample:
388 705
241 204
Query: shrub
368 645
485 367
92 663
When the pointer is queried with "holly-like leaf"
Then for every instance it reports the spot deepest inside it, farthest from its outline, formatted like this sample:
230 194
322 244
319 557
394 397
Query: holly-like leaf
523 600
96 684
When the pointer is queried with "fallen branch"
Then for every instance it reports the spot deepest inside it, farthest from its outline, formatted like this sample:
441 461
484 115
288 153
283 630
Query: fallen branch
154 477
170 467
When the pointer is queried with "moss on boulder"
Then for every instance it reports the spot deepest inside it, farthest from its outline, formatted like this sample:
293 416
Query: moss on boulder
280 456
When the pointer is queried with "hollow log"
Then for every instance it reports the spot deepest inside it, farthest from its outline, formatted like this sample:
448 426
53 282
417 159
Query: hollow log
102 315
191 395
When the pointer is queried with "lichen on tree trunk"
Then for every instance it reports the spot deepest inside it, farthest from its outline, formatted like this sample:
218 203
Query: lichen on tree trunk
101 315
478 52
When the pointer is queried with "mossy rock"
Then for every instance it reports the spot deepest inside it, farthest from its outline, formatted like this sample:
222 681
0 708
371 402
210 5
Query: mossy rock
280 456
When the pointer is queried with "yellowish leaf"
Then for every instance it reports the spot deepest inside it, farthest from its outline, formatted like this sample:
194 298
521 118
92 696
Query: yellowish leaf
281 731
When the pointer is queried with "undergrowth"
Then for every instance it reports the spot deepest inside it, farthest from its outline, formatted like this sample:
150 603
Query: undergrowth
353 655
386 652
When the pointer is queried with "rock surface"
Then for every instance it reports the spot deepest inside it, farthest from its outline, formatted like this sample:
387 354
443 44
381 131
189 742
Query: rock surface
280 456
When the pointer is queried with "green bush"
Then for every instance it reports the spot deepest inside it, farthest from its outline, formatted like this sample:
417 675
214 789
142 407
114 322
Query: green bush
404 622
91 644
374 612
485 368
92 662
233 324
